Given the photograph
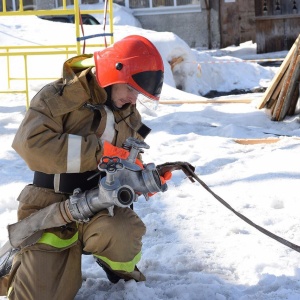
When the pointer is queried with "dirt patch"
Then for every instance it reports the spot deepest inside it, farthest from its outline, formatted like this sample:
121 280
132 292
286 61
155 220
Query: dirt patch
214 94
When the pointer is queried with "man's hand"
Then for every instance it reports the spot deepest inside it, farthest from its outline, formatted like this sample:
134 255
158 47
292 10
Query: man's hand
165 177
169 167
111 150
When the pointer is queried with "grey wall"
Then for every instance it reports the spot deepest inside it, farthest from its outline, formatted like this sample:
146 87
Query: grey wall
192 27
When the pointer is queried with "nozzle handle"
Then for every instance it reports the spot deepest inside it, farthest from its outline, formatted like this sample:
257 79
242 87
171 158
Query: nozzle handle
135 146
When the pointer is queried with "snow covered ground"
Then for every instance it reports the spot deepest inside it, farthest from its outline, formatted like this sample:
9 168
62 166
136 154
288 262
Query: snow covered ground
194 248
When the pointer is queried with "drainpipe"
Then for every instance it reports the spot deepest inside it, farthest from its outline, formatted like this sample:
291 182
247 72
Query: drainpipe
219 22
207 4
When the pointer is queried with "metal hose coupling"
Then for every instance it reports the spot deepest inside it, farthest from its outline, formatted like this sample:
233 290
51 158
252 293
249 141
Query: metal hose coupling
123 183
143 180
81 206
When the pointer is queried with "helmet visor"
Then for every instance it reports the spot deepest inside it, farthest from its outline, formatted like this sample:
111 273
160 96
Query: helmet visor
150 81
146 101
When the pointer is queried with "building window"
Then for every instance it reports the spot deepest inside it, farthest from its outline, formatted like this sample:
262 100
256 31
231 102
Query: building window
188 2
139 3
157 3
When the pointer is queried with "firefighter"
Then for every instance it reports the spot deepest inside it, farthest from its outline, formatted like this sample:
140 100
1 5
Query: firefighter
61 139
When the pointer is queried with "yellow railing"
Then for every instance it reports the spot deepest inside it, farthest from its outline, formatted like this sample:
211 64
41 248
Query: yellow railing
25 51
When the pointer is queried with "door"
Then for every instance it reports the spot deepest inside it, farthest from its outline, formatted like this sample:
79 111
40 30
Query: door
237 22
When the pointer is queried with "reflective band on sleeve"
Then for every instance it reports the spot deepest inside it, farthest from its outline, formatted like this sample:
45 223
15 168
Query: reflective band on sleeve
9 291
53 240
109 131
121 266
74 154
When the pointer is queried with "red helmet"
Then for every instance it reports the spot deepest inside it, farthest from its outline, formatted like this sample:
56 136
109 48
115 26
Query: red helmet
133 60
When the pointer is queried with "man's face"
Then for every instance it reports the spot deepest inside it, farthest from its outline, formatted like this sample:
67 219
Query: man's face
122 93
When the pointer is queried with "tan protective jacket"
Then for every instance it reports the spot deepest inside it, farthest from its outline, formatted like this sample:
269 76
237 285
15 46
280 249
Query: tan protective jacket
60 135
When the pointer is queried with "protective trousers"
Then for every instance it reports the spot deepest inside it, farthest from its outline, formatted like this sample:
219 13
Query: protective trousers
51 268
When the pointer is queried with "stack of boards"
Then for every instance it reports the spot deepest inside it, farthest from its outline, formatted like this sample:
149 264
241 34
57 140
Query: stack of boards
281 97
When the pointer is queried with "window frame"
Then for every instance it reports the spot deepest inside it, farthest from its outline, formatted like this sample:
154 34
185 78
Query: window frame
188 8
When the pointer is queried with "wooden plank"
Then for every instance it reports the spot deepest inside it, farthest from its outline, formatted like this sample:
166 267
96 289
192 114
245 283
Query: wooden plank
283 67
260 141
257 141
225 101
286 83
294 102
274 97
294 83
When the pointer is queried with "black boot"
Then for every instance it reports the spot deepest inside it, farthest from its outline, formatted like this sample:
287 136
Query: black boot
112 277
6 261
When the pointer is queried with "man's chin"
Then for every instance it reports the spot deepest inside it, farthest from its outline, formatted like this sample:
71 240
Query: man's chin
121 106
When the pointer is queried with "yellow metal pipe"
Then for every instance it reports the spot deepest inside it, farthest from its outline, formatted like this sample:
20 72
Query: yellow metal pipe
8 71
38 53
42 12
93 11
4 5
59 52
13 91
111 17
36 46
25 51
54 47
21 7
37 12
34 78
26 81
77 24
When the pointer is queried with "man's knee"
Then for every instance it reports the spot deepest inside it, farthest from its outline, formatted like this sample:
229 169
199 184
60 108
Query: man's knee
119 238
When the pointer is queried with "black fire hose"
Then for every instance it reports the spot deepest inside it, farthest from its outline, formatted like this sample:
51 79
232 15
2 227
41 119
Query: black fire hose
188 169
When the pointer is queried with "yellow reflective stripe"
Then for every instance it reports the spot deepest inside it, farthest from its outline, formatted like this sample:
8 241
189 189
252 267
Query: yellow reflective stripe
53 240
9 291
121 266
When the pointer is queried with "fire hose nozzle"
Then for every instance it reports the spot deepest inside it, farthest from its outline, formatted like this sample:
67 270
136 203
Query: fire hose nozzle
83 205
124 181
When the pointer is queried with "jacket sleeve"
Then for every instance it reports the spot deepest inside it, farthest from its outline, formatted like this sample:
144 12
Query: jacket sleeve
60 143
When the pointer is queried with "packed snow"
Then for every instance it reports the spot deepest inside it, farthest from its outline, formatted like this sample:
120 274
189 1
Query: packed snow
194 248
